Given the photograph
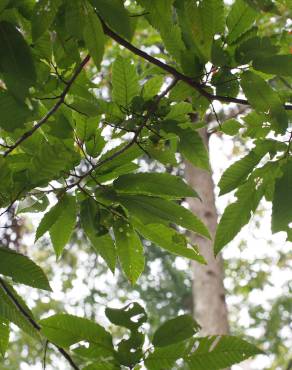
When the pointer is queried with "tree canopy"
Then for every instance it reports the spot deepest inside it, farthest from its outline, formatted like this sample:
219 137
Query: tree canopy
87 88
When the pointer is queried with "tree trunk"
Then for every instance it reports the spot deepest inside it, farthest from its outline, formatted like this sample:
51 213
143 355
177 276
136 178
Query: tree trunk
208 290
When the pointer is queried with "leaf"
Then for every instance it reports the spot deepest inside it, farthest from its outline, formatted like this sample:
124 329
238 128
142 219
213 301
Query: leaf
129 249
93 35
230 127
101 365
219 352
131 316
125 82
280 65
65 330
225 82
179 111
4 336
206 19
238 171
168 239
9 311
115 15
264 99
239 19
103 244
165 357
43 15
14 114
193 149
149 210
59 221
152 87
16 62
282 202
22 270
157 184
237 214
254 48
175 330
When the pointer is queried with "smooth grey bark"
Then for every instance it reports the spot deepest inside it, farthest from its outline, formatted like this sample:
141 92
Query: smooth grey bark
208 289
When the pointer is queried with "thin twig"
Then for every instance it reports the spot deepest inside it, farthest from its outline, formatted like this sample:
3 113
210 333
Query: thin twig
34 324
43 120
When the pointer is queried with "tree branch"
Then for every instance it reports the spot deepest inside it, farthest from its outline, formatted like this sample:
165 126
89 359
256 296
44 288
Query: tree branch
178 75
24 313
61 100
151 110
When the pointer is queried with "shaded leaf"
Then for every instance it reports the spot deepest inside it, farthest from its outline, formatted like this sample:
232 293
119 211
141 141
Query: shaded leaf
151 210
175 330
125 82
102 243
239 19
157 184
93 35
282 202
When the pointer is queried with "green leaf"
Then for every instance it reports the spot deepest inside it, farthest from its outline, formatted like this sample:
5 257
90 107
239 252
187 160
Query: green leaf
65 330
115 15
190 145
59 221
152 87
101 365
157 184
254 48
219 352
175 330
126 316
4 336
237 214
93 35
239 19
22 270
168 239
179 112
264 99
129 249
102 244
43 16
14 114
9 311
280 65
230 127
125 82
206 19
149 210
238 171
16 62
225 82
165 357
282 202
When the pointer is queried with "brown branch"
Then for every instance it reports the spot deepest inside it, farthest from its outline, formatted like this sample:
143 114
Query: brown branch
178 75
26 315
43 120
